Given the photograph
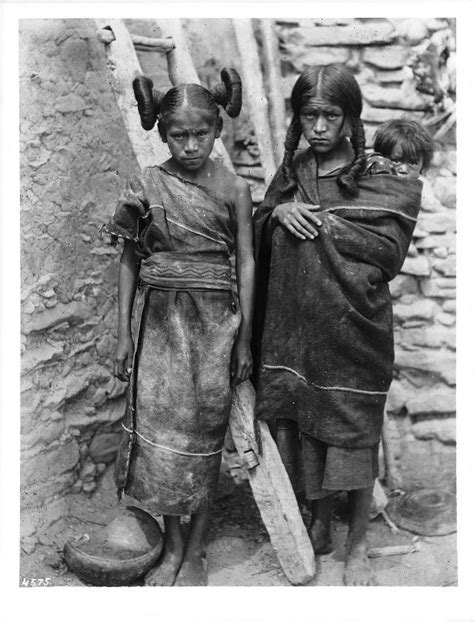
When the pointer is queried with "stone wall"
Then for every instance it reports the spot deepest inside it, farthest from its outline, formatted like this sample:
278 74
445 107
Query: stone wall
75 154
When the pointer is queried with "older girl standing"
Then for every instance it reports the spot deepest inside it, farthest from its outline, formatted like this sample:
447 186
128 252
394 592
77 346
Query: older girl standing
333 229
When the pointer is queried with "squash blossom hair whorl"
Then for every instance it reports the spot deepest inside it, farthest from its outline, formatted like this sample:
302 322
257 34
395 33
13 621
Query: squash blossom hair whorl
336 84
155 105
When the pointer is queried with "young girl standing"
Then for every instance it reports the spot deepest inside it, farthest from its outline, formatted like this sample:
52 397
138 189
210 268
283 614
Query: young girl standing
333 229
181 222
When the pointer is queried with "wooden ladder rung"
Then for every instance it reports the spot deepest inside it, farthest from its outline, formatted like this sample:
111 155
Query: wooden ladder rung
153 44
144 44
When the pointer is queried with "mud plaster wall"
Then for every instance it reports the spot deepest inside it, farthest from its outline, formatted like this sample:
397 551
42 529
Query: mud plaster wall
74 156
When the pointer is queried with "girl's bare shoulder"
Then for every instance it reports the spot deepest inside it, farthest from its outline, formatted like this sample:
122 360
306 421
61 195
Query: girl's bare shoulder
230 183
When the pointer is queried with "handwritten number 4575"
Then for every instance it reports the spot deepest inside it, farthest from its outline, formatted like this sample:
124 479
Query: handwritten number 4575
36 582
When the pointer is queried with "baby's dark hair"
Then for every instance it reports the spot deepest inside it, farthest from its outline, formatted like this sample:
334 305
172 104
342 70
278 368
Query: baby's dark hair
411 137
336 84
154 104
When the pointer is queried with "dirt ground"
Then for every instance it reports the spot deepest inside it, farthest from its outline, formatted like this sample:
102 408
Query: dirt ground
239 550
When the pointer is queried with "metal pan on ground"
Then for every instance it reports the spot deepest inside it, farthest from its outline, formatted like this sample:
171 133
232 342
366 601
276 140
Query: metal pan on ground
119 554
427 512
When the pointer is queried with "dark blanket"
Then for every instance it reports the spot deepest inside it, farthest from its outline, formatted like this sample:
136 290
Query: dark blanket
324 338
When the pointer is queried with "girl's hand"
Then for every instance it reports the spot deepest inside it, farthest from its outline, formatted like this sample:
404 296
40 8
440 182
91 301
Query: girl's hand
123 358
299 219
241 362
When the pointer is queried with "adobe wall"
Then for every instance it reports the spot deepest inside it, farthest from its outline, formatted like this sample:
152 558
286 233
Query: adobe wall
74 155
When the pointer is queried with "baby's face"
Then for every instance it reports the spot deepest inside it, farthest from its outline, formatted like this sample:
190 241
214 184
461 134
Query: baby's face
404 167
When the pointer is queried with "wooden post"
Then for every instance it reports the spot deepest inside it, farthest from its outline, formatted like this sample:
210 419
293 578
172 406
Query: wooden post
255 93
272 490
272 75
124 66
181 70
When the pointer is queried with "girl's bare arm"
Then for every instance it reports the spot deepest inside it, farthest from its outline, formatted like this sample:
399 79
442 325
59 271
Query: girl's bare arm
245 272
128 278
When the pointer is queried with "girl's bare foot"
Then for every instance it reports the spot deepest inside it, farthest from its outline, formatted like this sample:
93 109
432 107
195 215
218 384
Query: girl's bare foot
358 570
320 536
193 571
165 571
320 528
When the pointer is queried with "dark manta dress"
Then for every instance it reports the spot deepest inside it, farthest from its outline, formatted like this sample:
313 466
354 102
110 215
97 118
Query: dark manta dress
179 395
323 328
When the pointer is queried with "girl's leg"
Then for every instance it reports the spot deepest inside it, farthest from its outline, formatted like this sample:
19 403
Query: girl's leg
193 570
358 570
164 573
320 528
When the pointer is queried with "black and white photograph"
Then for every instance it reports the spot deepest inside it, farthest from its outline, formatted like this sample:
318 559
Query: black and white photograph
236 264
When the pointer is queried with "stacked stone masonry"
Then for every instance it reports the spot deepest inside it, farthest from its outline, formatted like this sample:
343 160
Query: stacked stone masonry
75 154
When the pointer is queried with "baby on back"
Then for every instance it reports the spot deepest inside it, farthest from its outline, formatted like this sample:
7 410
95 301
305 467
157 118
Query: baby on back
407 144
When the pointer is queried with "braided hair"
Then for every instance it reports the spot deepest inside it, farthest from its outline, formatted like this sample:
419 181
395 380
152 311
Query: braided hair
156 105
337 85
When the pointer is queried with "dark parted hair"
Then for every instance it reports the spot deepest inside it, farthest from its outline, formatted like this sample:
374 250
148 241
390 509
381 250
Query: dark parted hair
337 85
411 137
155 105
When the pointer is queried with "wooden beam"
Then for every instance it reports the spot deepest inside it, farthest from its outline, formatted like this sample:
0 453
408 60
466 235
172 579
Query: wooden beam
124 66
181 71
180 63
272 490
254 92
272 76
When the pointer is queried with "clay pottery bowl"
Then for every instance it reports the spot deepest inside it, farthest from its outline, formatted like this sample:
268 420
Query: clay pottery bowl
428 512
119 554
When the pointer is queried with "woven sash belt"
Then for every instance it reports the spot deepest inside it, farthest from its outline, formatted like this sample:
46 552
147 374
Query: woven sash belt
177 270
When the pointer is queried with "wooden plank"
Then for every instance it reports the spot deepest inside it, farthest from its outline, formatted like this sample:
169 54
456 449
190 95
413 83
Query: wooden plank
272 76
124 66
255 93
272 490
181 71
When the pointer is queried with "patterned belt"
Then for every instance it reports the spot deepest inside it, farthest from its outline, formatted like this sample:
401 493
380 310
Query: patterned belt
175 270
